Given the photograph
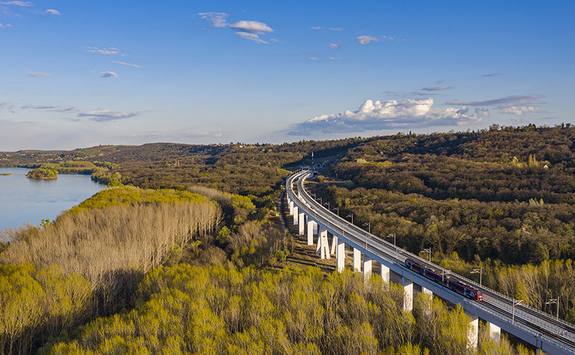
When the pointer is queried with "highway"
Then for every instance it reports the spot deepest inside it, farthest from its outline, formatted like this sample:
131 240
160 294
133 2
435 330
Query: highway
539 329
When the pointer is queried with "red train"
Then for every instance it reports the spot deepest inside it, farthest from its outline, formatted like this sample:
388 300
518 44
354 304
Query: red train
453 285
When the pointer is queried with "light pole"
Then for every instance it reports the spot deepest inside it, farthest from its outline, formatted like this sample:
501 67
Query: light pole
393 235
350 215
554 301
336 208
513 314
320 200
328 204
428 250
478 271
368 224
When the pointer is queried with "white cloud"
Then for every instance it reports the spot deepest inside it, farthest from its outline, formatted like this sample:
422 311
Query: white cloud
436 88
109 74
251 37
107 51
516 110
218 19
128 64
51 12
252 27
5 103
316 28
366 39
38 107
38 75
335 29
2 26
334 46
492 74
17 3
107 115
314 58
390 115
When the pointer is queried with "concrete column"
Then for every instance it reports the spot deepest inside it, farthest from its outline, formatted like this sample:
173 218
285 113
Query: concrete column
333 244
301 223
295 215
426 291
356 260
310 228
367 263
494 332
385 274
340 254
473 332
407 294
291 206
323 243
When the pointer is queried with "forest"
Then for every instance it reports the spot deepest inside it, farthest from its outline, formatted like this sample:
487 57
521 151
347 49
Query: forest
186 253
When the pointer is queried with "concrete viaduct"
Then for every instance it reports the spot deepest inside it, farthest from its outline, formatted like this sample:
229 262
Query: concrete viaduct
544 332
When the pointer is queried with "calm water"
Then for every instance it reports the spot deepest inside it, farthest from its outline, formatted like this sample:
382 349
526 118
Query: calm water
26 200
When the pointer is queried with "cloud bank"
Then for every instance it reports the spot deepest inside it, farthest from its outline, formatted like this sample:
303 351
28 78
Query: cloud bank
249 30
109 74
51 12
128 64
436 88
503 102
366 39
107 115
518 111
107 51
38 75
16 3
390 114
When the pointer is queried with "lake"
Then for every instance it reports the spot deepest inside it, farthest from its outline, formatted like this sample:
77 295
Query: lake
26 200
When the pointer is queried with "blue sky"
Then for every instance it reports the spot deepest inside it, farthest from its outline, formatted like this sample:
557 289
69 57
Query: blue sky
78 74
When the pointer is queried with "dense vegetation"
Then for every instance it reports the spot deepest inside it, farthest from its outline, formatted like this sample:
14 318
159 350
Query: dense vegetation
490 199
217 310
42 174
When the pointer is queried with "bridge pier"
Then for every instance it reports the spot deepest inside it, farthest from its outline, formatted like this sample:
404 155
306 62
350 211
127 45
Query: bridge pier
407 294
472 331
356 260
367 267
494 332
301 220
295 215
291 206
323 243
340 254
385 274
311 227
333 244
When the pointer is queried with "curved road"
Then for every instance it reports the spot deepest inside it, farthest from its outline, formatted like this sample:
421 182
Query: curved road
559 334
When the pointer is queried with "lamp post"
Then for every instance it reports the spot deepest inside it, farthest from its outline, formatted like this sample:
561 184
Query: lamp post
350 215
368 224
513 314
554 301
428 250
328 204
480 272
320 200
336 208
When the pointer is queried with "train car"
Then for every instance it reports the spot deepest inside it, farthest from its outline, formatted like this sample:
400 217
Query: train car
453 285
